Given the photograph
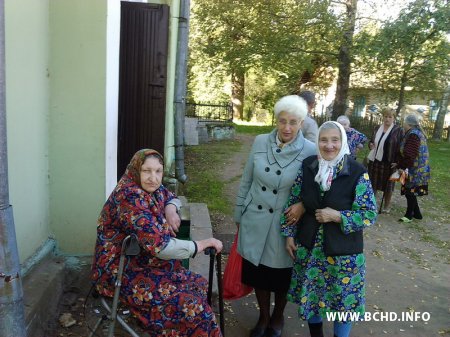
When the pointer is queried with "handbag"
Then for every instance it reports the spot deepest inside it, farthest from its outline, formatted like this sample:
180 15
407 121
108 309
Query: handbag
233 288
400 177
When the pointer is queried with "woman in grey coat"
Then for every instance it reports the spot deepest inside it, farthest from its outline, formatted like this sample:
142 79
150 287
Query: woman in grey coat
270 171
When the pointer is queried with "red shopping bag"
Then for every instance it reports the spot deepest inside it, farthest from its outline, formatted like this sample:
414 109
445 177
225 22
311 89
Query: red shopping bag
233 288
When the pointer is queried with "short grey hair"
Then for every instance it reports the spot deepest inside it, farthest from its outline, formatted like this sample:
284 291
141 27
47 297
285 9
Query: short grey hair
412 120
293 105
308 96
343 118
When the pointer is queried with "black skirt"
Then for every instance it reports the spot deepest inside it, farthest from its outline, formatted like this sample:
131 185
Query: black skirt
266 278
379 173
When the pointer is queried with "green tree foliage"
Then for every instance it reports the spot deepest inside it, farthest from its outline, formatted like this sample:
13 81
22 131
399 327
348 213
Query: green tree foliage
287 41
411 51
259 50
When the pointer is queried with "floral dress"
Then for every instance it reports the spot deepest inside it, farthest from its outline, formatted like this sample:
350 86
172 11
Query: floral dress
323 283
355 138
168 299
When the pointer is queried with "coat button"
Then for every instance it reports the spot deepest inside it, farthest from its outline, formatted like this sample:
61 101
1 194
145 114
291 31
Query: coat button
271 210
278 172
259 207
278 150
275 191
264 188
267 169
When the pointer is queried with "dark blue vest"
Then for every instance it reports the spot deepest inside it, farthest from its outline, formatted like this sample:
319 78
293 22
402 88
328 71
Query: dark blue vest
340 197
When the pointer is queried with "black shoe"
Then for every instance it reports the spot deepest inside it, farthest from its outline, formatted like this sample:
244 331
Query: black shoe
418 216
271 332
316 329
258 331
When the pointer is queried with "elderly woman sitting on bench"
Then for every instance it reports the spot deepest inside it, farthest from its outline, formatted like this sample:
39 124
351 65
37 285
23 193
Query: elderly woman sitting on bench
168 299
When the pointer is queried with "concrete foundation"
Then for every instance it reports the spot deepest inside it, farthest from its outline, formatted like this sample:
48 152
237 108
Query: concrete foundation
42 288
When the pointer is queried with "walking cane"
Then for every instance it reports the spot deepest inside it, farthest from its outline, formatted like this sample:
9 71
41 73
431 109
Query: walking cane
220 285
382 199
212 254
385 189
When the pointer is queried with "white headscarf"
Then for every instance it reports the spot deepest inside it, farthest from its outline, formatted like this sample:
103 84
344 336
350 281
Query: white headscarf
325 175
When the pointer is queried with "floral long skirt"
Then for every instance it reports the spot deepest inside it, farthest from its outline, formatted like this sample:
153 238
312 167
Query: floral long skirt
323 284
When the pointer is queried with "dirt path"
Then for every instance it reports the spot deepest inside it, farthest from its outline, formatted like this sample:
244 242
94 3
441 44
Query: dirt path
407 271
224 226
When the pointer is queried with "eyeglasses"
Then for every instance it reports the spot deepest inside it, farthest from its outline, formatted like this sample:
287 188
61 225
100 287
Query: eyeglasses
292 122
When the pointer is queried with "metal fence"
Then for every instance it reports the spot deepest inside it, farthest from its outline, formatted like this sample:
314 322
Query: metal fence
368 124
365 125
210 112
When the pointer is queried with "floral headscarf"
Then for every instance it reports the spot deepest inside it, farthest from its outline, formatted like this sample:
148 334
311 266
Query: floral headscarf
133 170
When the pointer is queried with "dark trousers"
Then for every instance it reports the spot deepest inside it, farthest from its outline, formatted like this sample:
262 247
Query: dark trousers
412 208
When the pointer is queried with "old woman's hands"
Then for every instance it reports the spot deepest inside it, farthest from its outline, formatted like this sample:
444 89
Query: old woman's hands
293 213
291 247
211 242
328 214
172 218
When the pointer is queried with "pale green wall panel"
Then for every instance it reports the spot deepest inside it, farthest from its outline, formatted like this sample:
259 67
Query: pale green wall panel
77 121
27 99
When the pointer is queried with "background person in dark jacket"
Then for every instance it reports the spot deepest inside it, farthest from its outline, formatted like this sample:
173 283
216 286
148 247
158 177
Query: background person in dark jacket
309 126
384 146
338 203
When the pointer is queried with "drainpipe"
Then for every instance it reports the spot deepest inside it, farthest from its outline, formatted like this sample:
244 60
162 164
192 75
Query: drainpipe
12 316
180 88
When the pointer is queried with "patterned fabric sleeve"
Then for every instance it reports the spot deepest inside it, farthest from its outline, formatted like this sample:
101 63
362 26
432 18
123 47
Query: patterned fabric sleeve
294 197
360 137
364 208
143 216
410 152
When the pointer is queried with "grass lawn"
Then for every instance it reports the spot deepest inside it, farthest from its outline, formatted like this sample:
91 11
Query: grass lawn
253 130
440 178
203 185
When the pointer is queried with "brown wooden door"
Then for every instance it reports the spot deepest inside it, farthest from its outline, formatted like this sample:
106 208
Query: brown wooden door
142 79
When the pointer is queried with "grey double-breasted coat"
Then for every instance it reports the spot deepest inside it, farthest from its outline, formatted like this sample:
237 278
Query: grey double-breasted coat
263 192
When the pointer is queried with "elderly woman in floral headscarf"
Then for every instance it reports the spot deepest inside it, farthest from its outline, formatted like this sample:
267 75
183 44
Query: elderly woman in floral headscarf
168 299
326 244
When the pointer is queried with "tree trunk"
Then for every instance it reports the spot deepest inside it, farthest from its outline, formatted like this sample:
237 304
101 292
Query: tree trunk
401 96
238 93
439 124
345 59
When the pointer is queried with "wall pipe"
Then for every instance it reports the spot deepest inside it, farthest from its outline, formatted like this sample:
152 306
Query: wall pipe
12 314
180 88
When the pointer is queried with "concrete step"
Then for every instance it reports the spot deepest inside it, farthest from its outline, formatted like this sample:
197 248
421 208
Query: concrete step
201 229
